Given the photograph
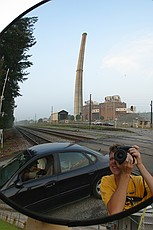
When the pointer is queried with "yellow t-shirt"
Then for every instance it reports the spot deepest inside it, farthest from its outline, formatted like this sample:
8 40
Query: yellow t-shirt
135 193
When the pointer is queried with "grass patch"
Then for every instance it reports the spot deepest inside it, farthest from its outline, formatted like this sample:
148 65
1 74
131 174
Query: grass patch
6 226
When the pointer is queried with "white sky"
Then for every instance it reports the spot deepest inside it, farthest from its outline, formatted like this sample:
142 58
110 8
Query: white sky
118 55
10 9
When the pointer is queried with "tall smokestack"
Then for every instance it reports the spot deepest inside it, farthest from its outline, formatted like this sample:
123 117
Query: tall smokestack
78 96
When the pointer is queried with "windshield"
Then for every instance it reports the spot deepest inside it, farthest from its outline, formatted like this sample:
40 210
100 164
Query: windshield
10 167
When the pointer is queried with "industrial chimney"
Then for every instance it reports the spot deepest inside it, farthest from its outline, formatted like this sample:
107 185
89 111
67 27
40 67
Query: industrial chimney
78 96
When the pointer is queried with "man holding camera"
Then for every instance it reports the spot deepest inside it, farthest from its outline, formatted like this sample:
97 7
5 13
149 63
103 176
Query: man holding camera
122 190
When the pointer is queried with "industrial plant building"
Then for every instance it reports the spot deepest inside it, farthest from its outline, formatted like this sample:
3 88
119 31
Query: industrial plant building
112 108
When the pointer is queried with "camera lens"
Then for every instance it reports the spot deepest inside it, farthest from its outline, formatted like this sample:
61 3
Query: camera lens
120 156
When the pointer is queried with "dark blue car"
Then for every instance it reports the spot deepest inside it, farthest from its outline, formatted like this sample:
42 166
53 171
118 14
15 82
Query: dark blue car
47 176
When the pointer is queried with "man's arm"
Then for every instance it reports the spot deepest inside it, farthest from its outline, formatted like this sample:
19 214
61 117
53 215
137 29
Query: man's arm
117 201
134 151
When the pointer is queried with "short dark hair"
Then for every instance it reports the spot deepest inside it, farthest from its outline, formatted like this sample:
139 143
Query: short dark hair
113 148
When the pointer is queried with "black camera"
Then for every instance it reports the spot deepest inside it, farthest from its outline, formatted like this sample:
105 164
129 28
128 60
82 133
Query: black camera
120 154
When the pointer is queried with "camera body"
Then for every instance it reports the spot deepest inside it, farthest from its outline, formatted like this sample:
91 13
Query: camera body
120 154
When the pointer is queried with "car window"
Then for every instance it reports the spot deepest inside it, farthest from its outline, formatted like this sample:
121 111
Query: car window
72 160
39 168
12 166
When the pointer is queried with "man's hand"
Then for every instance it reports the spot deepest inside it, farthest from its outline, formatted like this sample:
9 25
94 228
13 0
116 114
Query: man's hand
134 151
127 166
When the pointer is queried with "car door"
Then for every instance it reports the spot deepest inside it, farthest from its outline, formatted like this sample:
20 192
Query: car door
36 193
77 173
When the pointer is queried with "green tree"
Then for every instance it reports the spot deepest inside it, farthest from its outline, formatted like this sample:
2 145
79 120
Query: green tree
101 117
14 46
78 117
71 117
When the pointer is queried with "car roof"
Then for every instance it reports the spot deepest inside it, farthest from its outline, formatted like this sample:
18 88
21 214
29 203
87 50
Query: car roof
53 147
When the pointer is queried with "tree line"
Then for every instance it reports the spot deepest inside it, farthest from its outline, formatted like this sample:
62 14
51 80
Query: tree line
14 61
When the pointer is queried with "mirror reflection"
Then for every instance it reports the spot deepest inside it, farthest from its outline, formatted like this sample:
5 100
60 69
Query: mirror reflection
122 190
117 72
59 173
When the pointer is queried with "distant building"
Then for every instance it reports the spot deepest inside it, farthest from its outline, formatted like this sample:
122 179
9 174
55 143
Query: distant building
54 118
45 120
61 116
133 120
95 111
110 109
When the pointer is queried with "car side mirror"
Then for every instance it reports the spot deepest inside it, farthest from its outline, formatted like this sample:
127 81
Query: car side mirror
19 184
109 60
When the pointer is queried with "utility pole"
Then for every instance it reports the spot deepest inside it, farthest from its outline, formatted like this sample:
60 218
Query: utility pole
90 111
2 96
51 114
151 115
1 102
35 118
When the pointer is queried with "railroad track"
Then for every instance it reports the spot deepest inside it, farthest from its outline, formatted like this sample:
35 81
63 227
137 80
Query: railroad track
33 137
88 139
36 135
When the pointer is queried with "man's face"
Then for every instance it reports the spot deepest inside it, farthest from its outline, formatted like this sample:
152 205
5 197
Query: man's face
33 168
113 165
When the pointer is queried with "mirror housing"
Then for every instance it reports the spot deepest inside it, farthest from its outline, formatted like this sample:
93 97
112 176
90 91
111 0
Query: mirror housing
18 184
